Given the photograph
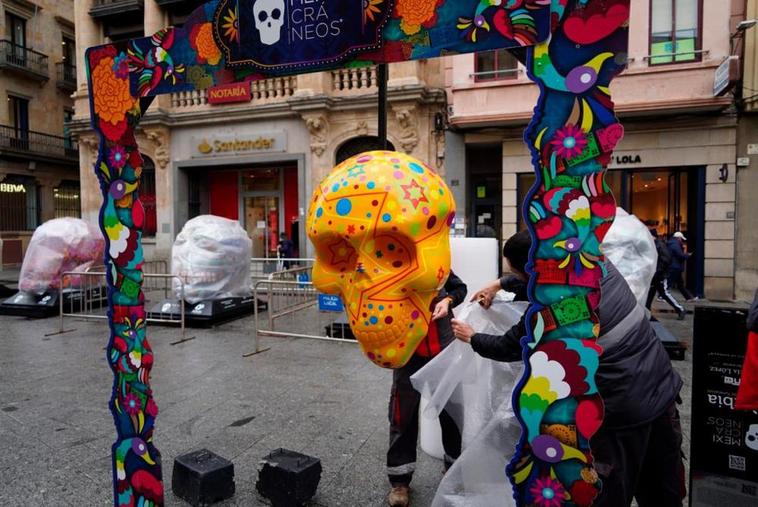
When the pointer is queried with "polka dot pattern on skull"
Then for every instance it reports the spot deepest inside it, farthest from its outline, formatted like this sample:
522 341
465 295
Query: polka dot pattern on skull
380 225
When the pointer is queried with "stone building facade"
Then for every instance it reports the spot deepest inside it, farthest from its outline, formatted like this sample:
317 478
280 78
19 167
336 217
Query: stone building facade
746 248
256 161
39 176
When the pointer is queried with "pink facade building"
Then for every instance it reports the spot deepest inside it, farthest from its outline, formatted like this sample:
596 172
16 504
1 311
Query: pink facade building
676 166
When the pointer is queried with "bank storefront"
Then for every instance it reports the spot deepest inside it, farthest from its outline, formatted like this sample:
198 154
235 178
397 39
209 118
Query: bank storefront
253 173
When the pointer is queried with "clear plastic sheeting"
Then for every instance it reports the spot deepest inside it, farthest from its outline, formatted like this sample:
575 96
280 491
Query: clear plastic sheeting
212 256
631 248
58 246
477 393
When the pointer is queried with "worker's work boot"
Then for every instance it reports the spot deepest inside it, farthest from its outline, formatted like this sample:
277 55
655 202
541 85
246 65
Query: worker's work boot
398 497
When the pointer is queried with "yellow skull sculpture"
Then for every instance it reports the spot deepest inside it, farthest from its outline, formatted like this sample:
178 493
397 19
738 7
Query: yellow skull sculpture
380 224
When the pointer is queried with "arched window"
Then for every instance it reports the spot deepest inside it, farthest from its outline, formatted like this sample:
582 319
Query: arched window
147 196
357 145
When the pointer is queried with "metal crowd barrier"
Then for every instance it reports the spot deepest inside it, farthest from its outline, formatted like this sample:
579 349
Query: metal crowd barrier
264 268
88 300
292 307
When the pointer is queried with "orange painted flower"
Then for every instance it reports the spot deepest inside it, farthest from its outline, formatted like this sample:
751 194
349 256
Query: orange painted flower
202 42
415 13
111 95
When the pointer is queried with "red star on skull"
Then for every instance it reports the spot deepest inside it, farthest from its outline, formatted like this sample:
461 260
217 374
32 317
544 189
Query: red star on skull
414 193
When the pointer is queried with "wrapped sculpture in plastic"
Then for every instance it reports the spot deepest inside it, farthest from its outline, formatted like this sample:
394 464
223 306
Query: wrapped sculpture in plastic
58 246
476 392
212 256
630 247
380 224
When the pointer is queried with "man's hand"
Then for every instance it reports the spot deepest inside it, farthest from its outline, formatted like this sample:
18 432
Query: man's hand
441 309
486 295
462 331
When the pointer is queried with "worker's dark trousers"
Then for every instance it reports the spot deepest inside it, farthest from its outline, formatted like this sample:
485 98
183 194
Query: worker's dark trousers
644 463
404 420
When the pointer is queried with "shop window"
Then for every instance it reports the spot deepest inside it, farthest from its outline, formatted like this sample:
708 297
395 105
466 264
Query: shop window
147 195
18 204
357 145
675 31
495 65
67 200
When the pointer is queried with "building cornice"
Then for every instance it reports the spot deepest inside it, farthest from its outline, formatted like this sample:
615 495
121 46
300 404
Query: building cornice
624 110
293 107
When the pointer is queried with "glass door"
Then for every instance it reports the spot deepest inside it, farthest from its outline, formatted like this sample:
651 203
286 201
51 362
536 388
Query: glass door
262 224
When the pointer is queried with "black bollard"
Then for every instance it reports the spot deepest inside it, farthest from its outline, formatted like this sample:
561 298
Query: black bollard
203 478
288 478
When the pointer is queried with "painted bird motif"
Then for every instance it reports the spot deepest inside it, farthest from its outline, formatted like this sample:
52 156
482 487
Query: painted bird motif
141 489
155 65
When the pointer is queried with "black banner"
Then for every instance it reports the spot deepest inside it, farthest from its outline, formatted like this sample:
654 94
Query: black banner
724 447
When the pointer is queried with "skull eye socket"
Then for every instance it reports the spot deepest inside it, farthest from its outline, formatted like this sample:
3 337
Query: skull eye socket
391 253
262 16
751 437
276 14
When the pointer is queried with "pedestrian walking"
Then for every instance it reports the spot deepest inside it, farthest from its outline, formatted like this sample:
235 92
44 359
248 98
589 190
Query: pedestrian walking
285 249
659 284
679 256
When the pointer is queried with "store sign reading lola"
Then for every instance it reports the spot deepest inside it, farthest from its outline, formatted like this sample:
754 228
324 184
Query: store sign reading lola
240 145
292 34
627 159
11 188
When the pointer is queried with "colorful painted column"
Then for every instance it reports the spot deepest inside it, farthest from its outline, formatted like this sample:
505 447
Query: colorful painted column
569 210
136 462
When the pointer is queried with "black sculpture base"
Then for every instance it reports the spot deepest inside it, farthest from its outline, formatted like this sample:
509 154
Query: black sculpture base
288 478
207 313
674 347
47 304
340 329
203 478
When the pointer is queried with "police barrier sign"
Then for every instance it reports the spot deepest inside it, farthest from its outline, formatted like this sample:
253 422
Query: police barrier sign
330 303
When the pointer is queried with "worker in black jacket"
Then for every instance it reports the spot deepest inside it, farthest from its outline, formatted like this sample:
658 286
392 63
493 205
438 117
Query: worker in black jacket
638 448
405 400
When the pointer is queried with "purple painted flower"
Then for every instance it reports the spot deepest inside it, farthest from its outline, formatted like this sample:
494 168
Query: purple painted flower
117 157
132 404
569 141
121 66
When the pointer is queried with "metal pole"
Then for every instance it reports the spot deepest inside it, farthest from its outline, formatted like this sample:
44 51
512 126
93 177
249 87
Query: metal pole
60 301
381 77
181 308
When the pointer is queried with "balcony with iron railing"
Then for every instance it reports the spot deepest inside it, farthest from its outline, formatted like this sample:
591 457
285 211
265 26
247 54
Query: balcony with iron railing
23 61
30 145
103 9
66 76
